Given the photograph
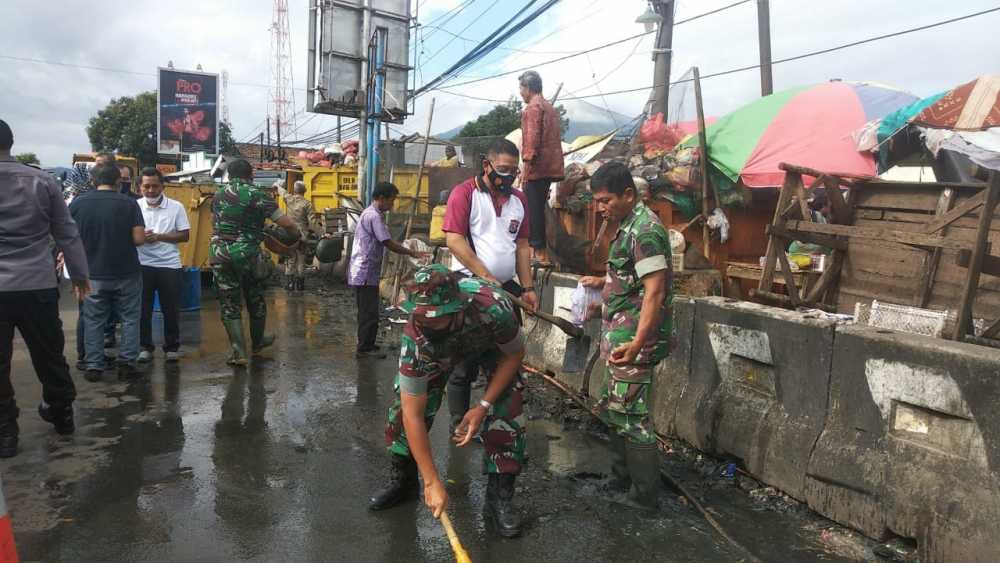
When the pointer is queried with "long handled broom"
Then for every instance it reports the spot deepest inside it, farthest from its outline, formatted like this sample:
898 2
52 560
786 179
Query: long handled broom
461 556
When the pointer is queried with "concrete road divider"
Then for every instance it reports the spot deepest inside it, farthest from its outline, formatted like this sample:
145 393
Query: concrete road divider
758 387
911 446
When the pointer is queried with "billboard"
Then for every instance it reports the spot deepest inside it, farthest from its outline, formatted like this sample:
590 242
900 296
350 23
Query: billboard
187 117
338 51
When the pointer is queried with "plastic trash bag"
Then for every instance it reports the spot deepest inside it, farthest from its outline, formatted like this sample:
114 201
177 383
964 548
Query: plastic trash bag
585 303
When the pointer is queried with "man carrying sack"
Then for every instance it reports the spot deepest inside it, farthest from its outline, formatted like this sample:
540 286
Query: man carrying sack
451 319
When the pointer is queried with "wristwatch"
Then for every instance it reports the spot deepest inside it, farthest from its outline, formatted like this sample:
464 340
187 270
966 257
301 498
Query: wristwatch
485 404
527 289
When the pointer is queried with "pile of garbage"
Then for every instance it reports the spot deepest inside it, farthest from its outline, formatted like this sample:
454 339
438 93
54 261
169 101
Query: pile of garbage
331 155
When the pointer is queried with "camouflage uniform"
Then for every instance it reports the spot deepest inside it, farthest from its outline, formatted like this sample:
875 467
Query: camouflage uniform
488 327
239 210
640 247
300 210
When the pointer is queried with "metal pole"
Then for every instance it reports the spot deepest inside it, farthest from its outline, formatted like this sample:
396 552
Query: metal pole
556 95
764 41
663 54
277 125
375 99
261 146
311 65
338 129
363 114
268 139
703 162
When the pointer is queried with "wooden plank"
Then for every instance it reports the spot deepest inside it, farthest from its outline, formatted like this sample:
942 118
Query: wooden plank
898 198
884 235
991 264
800 194
773 246
813 238
992 331
703 162
871 214
933 258
838 207
842 177
825 279
964 324
960 210
793 289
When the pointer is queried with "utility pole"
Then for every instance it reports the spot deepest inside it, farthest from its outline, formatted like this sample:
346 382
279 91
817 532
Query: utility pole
764 41
662 54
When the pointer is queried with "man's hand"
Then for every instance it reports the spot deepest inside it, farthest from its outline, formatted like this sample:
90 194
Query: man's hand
435 497
469 427
60 262
81 289
419 255
530 299
625 354
592 281
151 236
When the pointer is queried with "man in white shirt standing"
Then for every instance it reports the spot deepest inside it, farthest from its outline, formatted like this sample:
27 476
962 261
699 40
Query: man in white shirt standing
160 258
486 227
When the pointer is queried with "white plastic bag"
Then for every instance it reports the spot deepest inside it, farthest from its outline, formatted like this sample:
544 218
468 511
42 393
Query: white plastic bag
584 302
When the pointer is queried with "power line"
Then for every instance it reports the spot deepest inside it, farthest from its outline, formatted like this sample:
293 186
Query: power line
512 49
445 15
723 73
450 41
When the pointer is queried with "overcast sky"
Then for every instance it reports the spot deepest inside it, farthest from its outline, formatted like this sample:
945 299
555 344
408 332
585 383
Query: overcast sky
48 105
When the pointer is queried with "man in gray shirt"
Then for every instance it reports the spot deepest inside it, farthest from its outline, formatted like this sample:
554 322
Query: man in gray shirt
32 215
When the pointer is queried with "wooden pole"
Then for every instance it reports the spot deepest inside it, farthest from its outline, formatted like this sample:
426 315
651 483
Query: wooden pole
556 95
964 324
764 45
703 163
416 201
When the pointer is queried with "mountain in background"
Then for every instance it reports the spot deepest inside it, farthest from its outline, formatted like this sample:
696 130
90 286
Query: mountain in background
591 125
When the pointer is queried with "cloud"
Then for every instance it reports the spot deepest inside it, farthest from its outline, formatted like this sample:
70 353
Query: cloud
49 106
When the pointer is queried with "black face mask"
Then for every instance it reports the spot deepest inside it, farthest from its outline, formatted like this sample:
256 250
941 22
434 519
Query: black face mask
502 183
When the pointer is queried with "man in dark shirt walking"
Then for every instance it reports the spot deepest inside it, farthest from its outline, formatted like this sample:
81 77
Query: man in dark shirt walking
32 214
111 226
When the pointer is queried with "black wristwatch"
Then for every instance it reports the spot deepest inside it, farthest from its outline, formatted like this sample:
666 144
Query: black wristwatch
527 289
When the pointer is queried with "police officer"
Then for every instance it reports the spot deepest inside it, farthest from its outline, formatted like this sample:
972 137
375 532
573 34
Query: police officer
452 318
636 328
239 210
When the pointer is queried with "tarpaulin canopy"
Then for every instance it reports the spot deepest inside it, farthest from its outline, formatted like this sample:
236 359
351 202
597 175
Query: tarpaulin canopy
808 126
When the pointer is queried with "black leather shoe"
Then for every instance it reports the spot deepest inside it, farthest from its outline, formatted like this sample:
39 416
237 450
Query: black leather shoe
60 416
499 508
8 446
93 375
403 484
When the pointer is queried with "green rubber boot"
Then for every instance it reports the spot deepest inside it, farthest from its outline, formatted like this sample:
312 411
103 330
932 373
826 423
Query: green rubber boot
644 468
258 339
621 479
234 328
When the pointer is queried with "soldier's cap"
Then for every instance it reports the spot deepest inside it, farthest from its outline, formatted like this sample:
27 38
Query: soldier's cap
434 293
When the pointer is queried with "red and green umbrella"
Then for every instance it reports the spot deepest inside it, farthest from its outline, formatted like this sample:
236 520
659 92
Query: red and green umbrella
808 126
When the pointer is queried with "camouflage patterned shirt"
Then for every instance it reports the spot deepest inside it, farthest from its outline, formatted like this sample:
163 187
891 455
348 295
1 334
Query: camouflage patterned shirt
640 247
239 210
486 324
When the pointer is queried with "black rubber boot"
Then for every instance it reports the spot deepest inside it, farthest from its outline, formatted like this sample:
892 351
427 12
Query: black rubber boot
621 480
403 484
60 416
459 396
259 340
8 428
300 284
499 506
644 469
290 283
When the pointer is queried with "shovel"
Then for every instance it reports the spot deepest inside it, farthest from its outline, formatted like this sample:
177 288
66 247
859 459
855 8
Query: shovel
578 344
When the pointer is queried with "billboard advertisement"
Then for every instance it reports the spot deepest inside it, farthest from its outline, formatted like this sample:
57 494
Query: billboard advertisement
187 118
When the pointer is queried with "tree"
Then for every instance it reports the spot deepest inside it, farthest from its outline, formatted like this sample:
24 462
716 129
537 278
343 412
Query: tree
127 126
27 158
503 119
227 145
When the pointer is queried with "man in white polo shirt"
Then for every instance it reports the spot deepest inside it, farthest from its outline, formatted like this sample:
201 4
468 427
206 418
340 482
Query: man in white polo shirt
486 226
166 226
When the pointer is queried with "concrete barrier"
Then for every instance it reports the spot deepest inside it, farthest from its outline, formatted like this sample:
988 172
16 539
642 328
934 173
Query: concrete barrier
911 446
758 388
672 375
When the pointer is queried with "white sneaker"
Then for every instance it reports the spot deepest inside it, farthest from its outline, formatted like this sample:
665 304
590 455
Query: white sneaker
145 356
173 356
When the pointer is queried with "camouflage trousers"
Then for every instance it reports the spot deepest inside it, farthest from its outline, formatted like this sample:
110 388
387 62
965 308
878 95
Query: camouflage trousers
502 432
624 404
235 284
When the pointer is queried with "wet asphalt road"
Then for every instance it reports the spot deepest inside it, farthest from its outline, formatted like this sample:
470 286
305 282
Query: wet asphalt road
275 462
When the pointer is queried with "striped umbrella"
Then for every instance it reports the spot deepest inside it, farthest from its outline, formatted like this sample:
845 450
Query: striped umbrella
808 126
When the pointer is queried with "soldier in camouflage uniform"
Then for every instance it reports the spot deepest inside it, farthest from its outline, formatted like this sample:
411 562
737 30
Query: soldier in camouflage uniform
636 329
300 210
239 210
451 319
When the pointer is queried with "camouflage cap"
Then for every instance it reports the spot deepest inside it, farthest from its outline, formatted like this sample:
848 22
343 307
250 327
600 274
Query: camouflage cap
434 293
